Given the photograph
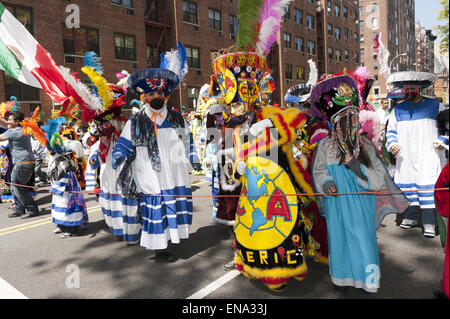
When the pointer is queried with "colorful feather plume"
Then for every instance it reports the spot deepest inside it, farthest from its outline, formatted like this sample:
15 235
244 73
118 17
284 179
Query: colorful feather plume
30 127
382 55
123 80
91 59
248 15
101 85
175 61
53 126
271 14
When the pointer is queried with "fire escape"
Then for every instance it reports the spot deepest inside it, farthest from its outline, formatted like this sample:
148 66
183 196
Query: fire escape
158 22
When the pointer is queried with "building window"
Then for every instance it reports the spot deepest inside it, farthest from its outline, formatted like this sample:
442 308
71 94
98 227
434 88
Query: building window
345 34
193 94
234 25
338 55
287 40
193 57
337 10
376 91
190 12
215 19
355 16
287 13
78 41
361 38
361 25
300 71
361 52
125 47
375 65
374 23
355 37
298 16
337 33
125 3
23 14
329 30
310 21
330 53
356 57
20 90
361 11
299 44
374 7
288 71
346 54
312 48
345 12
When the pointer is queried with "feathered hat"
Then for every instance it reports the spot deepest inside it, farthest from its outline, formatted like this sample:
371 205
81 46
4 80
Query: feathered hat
300 93
166 78
422 79
334 93
241 68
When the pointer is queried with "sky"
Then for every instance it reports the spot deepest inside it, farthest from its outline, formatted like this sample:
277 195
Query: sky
427 12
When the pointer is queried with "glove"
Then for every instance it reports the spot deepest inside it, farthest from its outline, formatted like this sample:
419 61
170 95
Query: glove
196 166
258 127
117 160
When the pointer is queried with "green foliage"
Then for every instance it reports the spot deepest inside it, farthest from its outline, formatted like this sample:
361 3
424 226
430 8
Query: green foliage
442 29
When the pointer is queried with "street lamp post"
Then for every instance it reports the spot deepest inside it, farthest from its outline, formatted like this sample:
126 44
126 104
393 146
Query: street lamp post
398 55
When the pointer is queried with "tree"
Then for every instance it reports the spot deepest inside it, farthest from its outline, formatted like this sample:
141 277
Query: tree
442 29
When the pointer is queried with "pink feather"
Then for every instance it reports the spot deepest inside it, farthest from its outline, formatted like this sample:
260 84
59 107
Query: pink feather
269 22
120 75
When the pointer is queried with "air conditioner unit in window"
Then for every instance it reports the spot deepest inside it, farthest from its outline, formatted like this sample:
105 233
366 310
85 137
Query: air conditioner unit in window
130 12
199 72
196 28
232 36
219 33
134 66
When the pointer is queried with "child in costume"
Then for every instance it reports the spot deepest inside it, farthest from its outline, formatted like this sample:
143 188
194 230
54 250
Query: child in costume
347 162
156 144
411 133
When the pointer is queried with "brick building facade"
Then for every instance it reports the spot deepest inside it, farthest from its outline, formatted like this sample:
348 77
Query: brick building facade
394 20
115 29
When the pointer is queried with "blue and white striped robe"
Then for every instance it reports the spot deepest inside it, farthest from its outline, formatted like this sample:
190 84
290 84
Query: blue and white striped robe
62 214
167 214
413 126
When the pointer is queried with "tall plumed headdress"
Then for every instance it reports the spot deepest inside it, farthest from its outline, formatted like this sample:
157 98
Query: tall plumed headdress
240 69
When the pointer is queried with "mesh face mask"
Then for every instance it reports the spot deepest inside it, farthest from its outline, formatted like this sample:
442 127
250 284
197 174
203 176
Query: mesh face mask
345 137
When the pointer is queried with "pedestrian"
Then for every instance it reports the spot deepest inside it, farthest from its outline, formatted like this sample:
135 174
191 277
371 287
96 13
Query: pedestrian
156 145
40 153
347 162
24 164
383 113
410 136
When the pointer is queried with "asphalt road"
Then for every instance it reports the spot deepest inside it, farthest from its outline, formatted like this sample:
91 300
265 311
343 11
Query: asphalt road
37 264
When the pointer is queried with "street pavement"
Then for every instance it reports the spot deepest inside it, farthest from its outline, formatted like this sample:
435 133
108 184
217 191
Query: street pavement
37 264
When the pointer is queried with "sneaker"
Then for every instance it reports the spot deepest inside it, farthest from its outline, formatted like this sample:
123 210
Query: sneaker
408 223
134 242
429 230
12 215
58 230
25 216
230 266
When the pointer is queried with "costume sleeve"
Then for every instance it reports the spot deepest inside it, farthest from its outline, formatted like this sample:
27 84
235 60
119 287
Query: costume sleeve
391 132
442 197
124 146
320 172
94 156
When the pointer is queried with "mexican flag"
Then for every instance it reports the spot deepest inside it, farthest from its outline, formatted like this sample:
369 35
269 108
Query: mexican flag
27 61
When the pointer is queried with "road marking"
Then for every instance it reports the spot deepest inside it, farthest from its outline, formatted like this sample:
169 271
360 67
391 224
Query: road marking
9 292
37 223
202 293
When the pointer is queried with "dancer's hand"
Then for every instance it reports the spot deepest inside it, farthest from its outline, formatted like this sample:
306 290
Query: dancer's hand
117 160
395 149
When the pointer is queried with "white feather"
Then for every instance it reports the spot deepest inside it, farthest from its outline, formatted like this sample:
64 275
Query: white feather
313 74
